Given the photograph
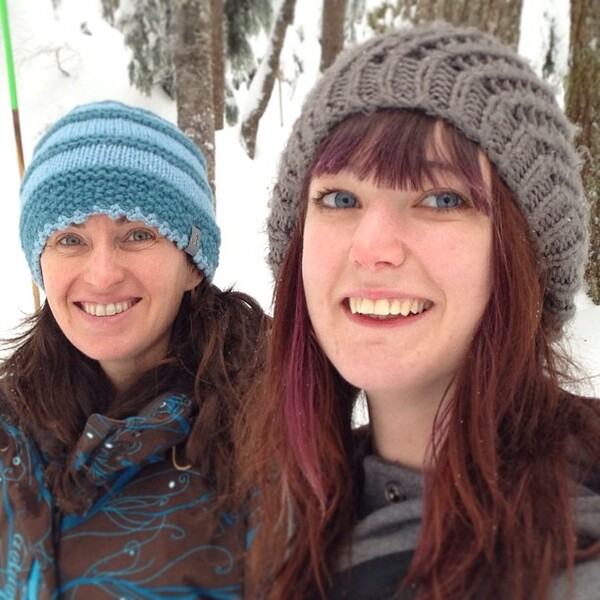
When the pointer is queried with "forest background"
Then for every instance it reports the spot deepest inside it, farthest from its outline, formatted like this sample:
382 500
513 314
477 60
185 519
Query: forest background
233 73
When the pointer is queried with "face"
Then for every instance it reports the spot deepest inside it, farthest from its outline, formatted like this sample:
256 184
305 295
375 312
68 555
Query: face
396 281
114 288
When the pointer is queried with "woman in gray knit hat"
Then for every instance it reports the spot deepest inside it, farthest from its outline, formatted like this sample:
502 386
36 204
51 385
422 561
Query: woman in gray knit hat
428 234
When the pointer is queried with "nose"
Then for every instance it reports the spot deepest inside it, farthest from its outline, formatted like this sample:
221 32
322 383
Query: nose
378 241
105 266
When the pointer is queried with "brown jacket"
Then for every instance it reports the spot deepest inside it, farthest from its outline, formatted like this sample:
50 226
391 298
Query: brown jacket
140 537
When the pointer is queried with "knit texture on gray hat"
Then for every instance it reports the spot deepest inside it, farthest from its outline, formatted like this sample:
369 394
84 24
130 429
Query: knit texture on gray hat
110 158
488 93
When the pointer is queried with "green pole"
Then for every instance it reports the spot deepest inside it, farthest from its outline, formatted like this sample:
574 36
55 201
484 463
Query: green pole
14 105
12 84
9 55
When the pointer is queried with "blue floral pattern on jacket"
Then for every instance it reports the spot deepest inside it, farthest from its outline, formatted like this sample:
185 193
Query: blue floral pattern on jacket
139 537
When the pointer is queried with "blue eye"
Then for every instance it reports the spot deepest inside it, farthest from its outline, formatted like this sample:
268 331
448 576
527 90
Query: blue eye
69 240
69 244
141 235
339 200
443 200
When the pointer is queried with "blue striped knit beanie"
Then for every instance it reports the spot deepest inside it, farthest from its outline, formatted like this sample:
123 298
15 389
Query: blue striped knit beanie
113 159
489 94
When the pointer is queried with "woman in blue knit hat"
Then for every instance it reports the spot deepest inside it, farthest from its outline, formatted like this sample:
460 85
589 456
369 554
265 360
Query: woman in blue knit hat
117 399
428 232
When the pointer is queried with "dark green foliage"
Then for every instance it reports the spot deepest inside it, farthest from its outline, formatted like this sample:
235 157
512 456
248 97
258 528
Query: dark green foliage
146 26
109 8
243 19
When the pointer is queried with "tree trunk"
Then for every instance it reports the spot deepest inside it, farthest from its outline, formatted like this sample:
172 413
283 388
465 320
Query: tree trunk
583 108
501 18
332 31
218 30
264 80
192 40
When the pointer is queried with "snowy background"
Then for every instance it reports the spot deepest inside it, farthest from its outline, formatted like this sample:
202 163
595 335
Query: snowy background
71 56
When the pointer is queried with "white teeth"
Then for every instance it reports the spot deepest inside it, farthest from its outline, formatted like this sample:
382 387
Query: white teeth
417 307
383 307
106 310
405 307
368 305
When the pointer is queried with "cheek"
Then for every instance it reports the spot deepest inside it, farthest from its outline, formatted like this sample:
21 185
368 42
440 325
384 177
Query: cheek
466 256
318 260
472 272
167 270
52 277
481 266
313 276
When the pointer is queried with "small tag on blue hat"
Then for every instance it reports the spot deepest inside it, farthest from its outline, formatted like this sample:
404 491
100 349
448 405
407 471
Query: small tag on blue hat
194 243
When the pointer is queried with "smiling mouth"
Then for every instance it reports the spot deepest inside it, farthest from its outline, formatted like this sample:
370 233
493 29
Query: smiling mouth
106 310
385 308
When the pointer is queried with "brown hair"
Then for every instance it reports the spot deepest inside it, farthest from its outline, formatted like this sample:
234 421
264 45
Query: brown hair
508 526
216 349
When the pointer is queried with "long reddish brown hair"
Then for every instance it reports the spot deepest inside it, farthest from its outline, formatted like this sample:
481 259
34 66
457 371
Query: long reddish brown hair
507 442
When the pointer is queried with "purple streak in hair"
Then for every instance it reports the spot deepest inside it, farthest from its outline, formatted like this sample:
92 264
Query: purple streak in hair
299 401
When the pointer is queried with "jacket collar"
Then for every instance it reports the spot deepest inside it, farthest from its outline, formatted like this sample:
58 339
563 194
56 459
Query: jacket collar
108 446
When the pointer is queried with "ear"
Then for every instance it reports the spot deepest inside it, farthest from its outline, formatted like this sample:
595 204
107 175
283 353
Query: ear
195 276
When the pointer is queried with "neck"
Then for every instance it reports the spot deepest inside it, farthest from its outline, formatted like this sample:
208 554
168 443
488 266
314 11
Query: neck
402 430
122 376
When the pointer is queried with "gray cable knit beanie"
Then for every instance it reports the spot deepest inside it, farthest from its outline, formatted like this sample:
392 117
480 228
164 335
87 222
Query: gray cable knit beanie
488 93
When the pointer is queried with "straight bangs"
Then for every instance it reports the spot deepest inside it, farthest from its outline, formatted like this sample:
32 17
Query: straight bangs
402 149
